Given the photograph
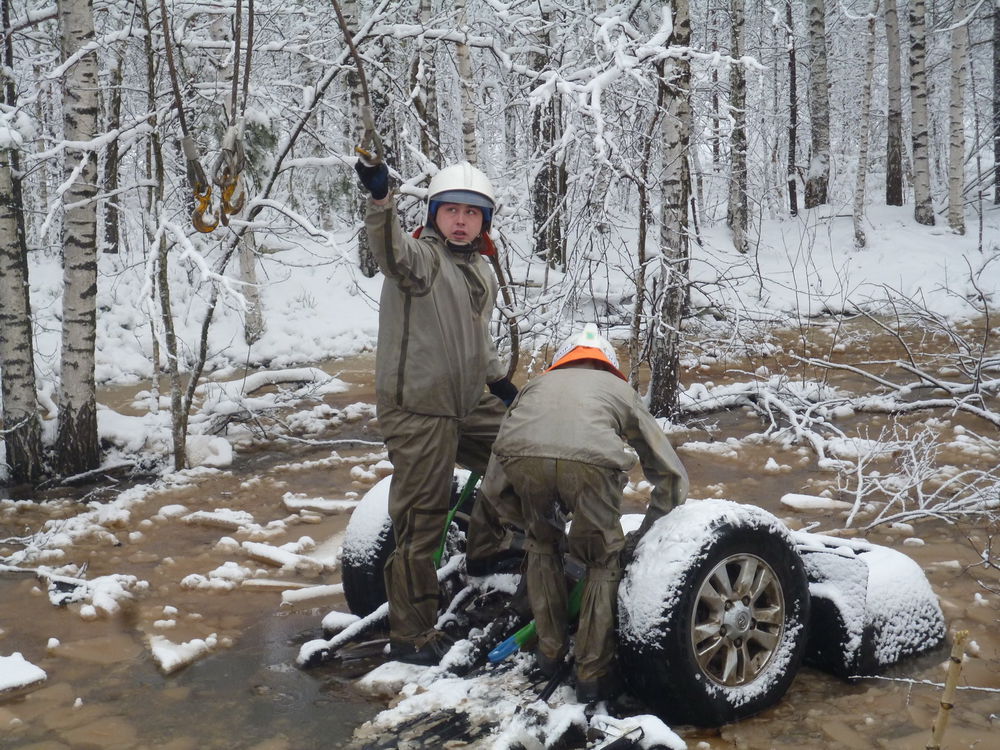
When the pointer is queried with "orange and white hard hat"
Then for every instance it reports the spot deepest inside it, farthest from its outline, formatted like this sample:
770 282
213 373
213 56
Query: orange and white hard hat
587 344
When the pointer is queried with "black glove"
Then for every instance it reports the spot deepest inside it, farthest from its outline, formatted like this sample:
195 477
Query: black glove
504 390
628 551
374 178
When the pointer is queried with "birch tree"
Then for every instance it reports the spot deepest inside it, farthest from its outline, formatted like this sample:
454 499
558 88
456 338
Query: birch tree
956 115
996 101
818 176
737 215
467 87
78 449
546 193
793 111
423 85
894 113
19 427
675 192
860 240
923 208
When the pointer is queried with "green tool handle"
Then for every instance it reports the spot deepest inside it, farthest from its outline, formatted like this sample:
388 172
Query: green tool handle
525 634
467 490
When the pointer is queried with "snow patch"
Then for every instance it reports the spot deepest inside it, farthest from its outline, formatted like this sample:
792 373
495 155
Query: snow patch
16 672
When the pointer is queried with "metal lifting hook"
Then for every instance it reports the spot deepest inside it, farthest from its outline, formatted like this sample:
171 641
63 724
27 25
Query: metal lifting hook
228 169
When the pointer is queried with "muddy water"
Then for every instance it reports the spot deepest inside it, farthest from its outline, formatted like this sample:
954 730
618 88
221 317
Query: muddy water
105 691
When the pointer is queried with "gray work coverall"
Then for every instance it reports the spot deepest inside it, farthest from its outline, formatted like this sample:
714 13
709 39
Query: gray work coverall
562 449
434 359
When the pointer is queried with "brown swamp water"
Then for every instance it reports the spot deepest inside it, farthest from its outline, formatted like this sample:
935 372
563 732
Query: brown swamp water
104 690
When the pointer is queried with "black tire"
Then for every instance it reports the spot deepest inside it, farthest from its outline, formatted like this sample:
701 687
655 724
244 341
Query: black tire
725 637
369 540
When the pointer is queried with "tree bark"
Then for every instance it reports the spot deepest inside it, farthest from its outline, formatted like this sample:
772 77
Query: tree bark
675 192
956 115
860 240
546 193
923 208
110 204
737 213
78 448
793 111
467 87
894 114
423 80
818 177
996 102
21 428
366 261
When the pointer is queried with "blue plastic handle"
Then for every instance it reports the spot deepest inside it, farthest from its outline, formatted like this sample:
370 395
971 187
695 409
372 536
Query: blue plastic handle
503 650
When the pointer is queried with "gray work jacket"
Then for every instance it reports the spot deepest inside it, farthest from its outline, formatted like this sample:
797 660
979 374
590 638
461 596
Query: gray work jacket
435 354
589 415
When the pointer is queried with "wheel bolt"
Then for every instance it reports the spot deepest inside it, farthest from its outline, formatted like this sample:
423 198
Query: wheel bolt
729 604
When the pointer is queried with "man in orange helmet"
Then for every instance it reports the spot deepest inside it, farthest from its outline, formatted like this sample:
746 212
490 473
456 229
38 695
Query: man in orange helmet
562 450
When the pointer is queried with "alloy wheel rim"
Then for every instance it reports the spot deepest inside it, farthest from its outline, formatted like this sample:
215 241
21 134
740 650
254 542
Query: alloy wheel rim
738 620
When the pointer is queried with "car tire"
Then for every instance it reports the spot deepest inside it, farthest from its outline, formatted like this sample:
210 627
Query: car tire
369 540
713 614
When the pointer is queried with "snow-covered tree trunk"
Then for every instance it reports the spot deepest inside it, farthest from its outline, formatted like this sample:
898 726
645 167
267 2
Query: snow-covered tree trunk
793 111
78 448
860 240
19 422
423 84
996 100
923 208
467 87
20 427
547 197
956 115
737 214
818 177
894 113
111 205
366 261
675 191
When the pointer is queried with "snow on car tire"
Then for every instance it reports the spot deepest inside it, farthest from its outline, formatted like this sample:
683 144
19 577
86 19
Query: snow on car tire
713 612
369 540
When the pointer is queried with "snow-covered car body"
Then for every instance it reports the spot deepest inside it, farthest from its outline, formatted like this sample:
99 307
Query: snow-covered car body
870 606
722 602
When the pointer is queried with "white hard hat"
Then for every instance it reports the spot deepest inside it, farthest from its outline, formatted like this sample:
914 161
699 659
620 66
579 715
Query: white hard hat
587 344
461 183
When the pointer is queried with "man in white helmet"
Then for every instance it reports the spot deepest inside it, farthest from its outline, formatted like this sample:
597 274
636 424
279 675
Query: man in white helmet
434 362
562 449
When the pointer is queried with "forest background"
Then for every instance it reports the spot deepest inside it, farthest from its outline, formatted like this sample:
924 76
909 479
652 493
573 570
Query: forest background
177 198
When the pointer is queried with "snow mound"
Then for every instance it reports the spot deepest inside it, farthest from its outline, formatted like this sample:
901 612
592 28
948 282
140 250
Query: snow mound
170 656
16 672
812 502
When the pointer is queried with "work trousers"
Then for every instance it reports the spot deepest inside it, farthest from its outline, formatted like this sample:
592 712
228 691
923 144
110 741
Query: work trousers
548 489
423 451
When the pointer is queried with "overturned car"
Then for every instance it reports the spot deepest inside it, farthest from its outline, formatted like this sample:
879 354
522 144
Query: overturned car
717 609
